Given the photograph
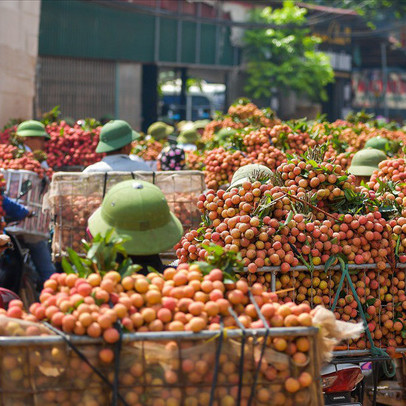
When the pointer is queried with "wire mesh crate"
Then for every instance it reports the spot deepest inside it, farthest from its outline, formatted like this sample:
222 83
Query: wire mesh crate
181 368
38 225
380 292
73 197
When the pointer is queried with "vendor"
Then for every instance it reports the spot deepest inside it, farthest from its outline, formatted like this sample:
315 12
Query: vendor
188 138
365 162
34 137
10 270
116 139
160 131
172 157
200 126
138 210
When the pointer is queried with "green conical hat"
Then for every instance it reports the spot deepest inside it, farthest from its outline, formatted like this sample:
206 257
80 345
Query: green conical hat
32 128
189 136
244 173
137 209
366 161
185 125
199 124
160 130
114 135
378 143
225 133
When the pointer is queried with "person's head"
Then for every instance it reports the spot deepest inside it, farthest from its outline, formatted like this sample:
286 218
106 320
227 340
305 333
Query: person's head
116 137
188 136
139 210
247 172
33 134
160 130
365 162
200 125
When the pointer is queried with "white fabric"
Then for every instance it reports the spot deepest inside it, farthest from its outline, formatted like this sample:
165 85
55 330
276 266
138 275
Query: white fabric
44 164
188 147
119 163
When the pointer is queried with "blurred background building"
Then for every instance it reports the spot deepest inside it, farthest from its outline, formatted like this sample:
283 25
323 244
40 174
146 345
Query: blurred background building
141 60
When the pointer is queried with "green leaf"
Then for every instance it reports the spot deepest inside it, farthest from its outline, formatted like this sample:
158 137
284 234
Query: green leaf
66 266
288 218
330 262
109 235
152 270
123 267
77 263
370 301
91 254
204 267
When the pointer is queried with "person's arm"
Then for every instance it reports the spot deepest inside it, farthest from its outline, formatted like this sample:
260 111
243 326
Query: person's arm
15 211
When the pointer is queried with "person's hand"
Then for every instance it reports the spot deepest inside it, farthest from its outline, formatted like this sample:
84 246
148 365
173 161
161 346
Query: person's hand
31 213
5 242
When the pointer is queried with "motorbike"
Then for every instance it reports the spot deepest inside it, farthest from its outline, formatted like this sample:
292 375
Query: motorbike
18 278
340 383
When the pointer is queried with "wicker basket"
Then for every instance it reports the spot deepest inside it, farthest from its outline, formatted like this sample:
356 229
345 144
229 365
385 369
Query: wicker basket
73 197
37 226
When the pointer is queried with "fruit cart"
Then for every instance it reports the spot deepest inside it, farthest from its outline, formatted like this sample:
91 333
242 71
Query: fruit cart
38 225
226 367
73 197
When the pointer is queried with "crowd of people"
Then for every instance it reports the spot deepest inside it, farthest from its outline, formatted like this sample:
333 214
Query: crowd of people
135 208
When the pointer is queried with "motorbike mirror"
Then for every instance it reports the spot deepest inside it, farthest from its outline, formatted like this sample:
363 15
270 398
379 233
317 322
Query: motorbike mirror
25 188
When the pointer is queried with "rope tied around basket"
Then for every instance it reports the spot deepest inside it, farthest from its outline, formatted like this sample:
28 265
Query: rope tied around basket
389 371
76 350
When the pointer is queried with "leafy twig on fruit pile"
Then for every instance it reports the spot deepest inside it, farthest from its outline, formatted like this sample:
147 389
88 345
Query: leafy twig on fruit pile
303 206
265 205
316 154
51 116
353 202
259 175
228 261
101 257
276 179
306 202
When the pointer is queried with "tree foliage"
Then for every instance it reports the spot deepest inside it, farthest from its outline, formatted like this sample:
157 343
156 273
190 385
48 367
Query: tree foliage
285 58
371 10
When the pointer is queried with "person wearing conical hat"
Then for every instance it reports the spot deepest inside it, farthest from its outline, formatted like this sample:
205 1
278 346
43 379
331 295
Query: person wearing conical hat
188 138
34 137
160 131
115 141
138 210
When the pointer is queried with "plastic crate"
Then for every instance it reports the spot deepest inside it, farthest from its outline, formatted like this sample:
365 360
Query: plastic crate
180 368
73 197
37 226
